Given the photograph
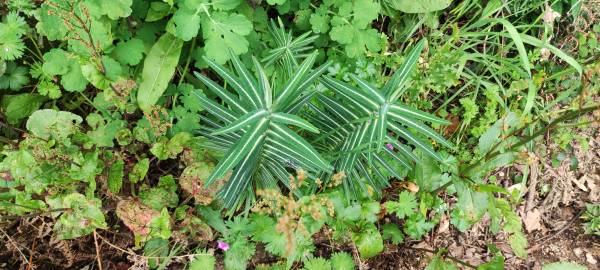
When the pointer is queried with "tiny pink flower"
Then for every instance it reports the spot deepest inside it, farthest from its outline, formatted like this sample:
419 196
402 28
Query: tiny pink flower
222 245
389 146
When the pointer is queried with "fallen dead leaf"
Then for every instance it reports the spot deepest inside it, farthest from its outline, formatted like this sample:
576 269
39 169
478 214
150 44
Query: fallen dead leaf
590 259
444 225
580 183
532 220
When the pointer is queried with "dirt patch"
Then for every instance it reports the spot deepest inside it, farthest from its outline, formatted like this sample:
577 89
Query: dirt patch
555 199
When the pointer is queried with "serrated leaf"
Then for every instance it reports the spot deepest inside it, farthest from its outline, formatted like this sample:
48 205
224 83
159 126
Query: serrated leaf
342 261
392 232
368 242
405 206
129 52
114 9
20 106
225 30
115 176
187 23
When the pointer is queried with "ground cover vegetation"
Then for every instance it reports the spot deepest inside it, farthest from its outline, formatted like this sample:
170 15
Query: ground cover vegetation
280 134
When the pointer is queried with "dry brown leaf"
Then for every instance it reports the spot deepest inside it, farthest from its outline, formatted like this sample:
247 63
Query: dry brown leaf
532 220
580 183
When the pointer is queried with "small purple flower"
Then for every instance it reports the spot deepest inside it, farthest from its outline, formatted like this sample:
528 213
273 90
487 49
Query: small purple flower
222 245
389 146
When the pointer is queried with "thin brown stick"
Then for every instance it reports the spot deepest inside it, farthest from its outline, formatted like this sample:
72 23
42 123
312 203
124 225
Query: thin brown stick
31 254
10 240
98 258
357 256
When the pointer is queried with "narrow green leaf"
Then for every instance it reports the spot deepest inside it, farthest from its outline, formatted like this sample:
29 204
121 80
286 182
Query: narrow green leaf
221 92
368 89
264 83
158 70
235 83
242 122
282 151
241 177
214 108
361 101
426 147
395 86
300 144
381 126
514 34
313 75
422 129
250 84
291 86
290 119
251 140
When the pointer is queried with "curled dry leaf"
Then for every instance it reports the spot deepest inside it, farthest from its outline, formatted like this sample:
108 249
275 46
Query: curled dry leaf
192 181
136 216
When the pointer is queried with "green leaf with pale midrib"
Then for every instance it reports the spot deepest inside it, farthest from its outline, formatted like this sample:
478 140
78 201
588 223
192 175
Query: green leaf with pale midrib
158 70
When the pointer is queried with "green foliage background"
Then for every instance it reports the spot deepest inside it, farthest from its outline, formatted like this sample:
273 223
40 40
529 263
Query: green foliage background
183 112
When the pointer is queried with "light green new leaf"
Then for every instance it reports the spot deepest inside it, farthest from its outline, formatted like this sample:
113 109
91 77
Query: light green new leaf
114 9
187 23
159 68
420 6
115 176
563 266
17 107
52 123
225 30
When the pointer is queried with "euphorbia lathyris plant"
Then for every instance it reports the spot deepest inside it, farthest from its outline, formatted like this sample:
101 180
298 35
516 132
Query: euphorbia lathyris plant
253 130
254 127
358 121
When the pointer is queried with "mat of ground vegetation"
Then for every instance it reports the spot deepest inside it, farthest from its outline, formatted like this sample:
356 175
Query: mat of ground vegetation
552 221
